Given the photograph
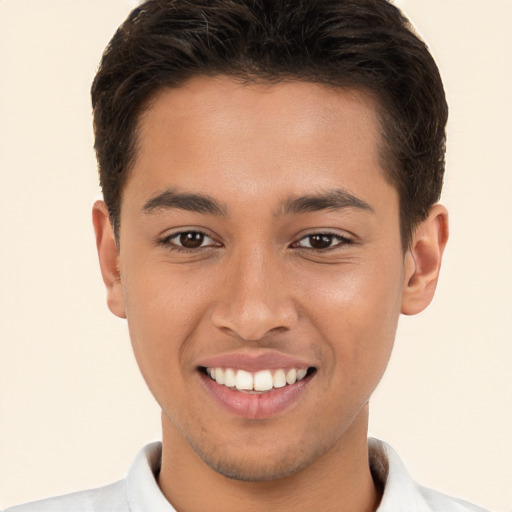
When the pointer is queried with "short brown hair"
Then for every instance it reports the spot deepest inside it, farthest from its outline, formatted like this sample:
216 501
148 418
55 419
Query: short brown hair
364 44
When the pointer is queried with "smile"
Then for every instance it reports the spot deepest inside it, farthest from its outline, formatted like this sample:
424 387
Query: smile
256 394
256 382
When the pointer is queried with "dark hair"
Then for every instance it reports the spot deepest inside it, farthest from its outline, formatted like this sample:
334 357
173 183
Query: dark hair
363 44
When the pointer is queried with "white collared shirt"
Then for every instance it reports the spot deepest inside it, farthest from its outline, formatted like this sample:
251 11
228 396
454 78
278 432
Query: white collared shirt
139 491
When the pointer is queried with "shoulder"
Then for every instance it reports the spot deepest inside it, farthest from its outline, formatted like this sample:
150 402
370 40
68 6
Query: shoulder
401 492
441 502
138 492
111 498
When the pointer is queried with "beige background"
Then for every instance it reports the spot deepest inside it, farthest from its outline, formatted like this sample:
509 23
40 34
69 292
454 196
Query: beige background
73 407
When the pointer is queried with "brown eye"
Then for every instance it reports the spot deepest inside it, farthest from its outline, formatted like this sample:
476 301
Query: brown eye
322 241
188 240
191 239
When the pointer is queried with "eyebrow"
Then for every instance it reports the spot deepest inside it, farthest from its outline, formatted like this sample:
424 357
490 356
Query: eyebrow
171 199
331 200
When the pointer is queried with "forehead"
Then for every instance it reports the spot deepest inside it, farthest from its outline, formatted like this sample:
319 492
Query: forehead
301 107
288 136
209 94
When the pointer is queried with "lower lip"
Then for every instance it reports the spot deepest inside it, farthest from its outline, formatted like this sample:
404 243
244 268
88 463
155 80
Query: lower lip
255 406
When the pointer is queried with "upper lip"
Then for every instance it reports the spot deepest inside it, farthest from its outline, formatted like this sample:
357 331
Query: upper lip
254 361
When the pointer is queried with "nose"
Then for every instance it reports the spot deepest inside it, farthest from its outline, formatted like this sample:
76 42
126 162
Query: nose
255 298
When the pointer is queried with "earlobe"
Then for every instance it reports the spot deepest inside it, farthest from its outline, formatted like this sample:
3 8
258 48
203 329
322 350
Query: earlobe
423 261
109 258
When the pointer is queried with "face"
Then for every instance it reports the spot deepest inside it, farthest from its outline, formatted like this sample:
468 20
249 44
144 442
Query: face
261 269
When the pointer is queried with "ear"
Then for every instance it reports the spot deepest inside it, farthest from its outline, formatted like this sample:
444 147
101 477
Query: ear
423 261
109 258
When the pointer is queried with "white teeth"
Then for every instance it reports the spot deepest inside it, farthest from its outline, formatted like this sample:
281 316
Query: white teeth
301 374
263 381
229 378
279 379
260 381
219 375
244 380
291 376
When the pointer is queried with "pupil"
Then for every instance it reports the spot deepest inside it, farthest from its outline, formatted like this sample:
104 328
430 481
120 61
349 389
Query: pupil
320 241
191 240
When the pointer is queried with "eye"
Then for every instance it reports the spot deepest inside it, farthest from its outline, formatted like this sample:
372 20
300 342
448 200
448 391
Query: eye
188 240
322 241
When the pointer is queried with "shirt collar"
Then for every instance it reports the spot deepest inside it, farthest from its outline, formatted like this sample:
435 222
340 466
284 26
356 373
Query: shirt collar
401 493
142 488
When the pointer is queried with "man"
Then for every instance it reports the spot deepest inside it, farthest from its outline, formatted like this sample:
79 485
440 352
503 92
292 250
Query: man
270 173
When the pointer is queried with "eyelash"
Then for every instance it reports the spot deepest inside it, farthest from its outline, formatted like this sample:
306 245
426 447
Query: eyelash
168 244
341 241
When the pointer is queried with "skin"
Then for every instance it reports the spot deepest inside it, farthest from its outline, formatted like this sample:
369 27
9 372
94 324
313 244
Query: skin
256 285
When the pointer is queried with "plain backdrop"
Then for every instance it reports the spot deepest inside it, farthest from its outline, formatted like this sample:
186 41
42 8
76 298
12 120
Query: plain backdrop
73 408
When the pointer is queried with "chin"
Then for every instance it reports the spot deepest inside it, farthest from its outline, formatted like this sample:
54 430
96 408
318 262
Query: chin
256 471
258 464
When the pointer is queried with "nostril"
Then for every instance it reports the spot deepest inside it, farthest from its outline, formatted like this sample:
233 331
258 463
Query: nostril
252 317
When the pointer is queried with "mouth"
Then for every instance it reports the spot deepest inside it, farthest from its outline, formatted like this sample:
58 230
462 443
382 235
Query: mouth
259 394
258 382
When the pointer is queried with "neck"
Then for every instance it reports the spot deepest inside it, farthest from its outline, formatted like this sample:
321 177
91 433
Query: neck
339 480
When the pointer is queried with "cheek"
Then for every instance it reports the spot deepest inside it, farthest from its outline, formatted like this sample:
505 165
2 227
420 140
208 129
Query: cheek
159 295
355 308
164 307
